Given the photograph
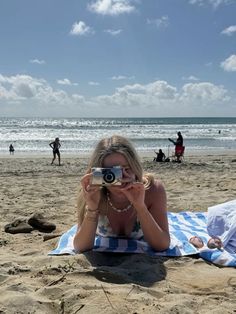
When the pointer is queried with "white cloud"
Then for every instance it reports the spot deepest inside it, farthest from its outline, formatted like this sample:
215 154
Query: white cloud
26 95
37 61
139 97
203 93
93 83
34 93
81 29
122 77
160 89
24 90
159 23
20 86
229 64
66 81
191 78
213 3
111 7
113 32
229 30
161 99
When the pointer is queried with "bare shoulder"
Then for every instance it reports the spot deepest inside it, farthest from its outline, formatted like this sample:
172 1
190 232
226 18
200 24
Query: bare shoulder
156 187
155 200
155 191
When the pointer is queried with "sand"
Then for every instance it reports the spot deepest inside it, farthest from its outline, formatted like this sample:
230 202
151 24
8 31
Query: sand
33 282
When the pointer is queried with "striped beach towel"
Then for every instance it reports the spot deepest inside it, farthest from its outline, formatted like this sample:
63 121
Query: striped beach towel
182 226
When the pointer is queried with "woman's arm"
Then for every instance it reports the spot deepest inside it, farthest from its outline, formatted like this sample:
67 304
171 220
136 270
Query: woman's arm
84 238
151 212
153 220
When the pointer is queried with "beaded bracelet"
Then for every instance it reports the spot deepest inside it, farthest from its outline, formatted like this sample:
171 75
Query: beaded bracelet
91 214
90 210
91 218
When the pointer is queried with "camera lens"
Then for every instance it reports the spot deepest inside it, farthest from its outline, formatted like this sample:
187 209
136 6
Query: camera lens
109 177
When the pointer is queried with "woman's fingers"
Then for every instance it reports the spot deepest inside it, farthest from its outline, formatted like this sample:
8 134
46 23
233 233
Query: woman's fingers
134 185
91 188
85 181
87 187
126 180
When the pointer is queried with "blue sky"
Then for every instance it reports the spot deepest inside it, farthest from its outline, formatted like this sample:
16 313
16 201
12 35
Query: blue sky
124 58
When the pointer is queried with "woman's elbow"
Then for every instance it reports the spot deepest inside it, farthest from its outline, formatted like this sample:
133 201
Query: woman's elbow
162 245
81 247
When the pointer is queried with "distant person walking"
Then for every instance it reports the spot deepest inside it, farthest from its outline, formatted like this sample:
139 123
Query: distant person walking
11 149
55 149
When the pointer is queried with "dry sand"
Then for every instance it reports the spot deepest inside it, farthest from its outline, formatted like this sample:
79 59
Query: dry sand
32 282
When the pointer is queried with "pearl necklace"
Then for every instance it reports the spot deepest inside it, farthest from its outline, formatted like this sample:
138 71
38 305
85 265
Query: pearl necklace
117 209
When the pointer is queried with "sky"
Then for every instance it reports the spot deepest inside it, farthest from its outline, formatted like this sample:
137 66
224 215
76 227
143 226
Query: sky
118 58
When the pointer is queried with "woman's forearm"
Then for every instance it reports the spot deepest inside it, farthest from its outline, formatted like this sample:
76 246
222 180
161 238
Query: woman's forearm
84 238
157 238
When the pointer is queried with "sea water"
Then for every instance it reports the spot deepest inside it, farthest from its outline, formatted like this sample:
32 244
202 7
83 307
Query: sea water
79 135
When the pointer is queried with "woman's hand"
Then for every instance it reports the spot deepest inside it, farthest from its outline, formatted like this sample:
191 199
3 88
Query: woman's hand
92 193
135 192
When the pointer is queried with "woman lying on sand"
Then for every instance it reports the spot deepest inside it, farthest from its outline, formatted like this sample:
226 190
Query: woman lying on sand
133 205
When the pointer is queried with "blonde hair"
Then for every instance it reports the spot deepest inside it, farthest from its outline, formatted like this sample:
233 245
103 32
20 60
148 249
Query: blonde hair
105 147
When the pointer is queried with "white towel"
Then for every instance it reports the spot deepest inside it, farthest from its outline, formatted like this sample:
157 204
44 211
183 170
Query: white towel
221 222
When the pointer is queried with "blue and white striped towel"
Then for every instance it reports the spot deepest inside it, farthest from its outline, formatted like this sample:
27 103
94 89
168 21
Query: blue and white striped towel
182 226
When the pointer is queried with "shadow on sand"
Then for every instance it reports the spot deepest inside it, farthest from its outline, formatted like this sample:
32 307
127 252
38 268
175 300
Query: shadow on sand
119 268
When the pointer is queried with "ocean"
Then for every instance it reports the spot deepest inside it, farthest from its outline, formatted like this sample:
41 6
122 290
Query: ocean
79 135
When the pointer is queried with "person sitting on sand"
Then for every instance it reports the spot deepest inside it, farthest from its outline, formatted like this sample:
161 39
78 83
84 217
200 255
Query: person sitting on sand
132 208
55 149
160 156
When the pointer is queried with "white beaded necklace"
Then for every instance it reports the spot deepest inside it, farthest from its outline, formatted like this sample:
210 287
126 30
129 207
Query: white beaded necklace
118 210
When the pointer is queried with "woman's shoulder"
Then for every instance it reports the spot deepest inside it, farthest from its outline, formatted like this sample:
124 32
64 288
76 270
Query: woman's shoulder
157 186
155 192
153 185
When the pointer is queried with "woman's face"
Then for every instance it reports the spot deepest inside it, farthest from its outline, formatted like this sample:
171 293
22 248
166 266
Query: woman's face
117 159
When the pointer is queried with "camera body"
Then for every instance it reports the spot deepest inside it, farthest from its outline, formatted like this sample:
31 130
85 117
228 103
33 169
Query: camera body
107 176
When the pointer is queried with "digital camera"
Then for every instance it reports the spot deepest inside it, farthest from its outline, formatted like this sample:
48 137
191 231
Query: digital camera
106 176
